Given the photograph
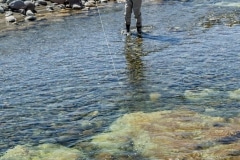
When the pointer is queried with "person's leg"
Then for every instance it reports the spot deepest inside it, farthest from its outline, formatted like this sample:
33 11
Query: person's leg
128 13
137 12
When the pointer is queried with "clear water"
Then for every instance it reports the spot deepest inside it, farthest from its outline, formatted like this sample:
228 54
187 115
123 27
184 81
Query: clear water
56 76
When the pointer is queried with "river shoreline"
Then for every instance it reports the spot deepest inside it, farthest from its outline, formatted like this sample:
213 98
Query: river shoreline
44 16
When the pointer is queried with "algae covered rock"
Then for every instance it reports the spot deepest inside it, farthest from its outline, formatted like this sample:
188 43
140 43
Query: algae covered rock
171 135
42 152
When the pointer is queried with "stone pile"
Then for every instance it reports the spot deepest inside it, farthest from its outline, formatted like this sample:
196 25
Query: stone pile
28 9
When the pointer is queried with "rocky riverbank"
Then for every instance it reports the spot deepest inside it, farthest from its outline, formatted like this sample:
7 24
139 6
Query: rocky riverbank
20 14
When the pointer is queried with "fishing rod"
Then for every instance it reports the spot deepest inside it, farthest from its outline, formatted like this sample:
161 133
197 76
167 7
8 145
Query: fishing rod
106 39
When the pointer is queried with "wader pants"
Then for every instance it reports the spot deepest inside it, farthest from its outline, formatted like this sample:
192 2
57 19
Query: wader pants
135 6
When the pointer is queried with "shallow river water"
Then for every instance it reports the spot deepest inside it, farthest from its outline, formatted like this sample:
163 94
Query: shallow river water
66 81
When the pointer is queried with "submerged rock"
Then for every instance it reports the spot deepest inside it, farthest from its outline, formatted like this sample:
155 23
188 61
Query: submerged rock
170 135
234 94
42 152
198 94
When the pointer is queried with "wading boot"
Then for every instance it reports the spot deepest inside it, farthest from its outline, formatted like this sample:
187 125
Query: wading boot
139 31
128 30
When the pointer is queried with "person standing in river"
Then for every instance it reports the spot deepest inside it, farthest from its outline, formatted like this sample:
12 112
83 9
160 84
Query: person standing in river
135 6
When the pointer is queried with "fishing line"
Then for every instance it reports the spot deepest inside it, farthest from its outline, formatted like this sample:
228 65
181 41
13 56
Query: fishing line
106 39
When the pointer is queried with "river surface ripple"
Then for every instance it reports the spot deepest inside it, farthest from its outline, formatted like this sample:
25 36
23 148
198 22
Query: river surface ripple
61 78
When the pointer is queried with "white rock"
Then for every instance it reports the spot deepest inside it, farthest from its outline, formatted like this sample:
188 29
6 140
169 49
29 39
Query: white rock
90 4
10 19
29 13
76 6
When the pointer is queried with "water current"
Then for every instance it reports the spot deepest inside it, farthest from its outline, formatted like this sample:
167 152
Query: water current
66 81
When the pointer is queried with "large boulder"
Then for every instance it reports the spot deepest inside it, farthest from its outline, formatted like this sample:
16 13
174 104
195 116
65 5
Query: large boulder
17 5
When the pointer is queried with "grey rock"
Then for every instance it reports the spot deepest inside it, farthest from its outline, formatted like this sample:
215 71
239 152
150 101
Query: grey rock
104 1
30 6
3 1
10 19
17 4
1 9
42 2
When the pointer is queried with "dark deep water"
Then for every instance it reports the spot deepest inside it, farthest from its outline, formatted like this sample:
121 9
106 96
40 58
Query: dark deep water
62 78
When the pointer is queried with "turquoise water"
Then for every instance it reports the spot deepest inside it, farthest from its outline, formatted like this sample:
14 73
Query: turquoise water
63 78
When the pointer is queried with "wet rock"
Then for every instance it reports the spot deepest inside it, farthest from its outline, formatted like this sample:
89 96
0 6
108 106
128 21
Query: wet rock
17 4
10 19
